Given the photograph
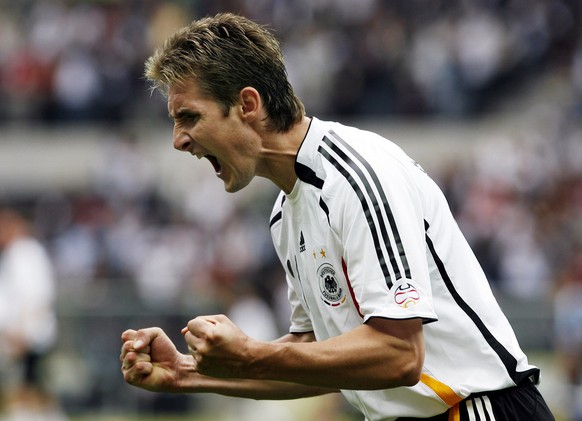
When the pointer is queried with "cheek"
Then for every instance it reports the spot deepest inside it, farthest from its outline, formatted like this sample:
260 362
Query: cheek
248 143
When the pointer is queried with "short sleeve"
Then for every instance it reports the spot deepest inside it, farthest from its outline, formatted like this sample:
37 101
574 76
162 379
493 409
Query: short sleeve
381 226
300 321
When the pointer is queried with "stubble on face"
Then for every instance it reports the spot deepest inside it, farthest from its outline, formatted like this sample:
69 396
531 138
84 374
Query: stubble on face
225 140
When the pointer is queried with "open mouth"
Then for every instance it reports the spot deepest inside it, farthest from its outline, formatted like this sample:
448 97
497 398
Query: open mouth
214 161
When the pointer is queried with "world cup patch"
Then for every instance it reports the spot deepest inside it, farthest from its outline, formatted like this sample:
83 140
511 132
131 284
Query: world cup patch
406 295
332 293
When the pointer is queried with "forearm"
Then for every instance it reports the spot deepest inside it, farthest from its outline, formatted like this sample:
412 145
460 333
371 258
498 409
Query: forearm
380 354
193 382
361 359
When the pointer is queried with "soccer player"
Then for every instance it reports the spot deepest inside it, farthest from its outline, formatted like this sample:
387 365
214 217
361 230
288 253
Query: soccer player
389 304
28 320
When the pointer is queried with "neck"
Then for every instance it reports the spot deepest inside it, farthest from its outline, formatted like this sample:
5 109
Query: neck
279 152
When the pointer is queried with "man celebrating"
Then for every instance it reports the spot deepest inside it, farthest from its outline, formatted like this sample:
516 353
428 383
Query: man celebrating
389 304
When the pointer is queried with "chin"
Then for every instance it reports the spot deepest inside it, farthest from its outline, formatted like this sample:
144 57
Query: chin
233 188
235 185
230 190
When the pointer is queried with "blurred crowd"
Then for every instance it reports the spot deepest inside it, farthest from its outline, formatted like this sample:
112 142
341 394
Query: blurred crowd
518 199
83 60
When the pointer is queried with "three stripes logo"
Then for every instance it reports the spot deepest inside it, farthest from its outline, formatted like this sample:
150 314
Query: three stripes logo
301 243
367 186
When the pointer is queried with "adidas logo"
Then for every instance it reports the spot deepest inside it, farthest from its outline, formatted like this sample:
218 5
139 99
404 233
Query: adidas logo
301 243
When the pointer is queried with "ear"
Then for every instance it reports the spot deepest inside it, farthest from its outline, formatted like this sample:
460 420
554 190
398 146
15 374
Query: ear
251 103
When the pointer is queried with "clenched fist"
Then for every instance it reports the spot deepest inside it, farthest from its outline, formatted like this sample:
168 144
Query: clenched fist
219 347
151 361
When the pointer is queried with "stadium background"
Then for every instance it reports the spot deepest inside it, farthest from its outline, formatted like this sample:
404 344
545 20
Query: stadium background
486 95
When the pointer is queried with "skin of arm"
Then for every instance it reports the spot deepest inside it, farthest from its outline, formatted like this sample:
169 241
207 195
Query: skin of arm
380 354
151 361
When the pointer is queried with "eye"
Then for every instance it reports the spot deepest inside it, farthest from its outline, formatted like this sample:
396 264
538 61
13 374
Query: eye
186 118
189 118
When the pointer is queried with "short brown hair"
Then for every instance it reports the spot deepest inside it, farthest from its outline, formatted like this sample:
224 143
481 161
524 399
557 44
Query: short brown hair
226 53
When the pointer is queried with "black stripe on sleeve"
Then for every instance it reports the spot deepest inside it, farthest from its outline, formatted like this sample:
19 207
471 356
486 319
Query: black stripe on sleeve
383 200
323 206
505 356
290 268
275 218
279 214
367 213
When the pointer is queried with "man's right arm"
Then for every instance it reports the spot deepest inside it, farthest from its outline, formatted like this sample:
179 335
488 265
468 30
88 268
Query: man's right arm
151 361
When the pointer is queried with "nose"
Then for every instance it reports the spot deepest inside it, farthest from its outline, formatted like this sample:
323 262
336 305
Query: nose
182 142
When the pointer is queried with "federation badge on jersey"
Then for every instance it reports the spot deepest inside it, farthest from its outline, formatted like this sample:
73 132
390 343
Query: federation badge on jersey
332 293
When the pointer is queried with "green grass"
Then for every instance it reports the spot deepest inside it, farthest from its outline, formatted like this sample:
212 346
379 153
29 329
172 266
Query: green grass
142 418
193 417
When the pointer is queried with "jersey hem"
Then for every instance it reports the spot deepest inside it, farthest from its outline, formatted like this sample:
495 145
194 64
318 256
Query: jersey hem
300 330
425 319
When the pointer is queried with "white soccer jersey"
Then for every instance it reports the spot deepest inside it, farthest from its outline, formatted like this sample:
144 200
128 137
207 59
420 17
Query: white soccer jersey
366 233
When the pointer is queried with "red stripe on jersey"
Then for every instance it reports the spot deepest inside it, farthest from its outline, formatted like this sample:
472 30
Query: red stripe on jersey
345 269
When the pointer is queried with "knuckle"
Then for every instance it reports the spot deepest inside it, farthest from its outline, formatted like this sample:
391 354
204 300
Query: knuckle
128 377
128 334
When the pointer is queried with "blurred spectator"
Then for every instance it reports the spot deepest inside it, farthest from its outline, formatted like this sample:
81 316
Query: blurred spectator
28 324
78 60
122 173
568 332
78 249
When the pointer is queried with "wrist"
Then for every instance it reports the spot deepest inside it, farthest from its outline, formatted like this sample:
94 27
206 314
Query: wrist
264 360
186 374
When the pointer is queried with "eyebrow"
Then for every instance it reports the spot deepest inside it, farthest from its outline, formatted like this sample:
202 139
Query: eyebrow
181 114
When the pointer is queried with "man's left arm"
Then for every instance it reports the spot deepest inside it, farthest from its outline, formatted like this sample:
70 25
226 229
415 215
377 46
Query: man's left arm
383 353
